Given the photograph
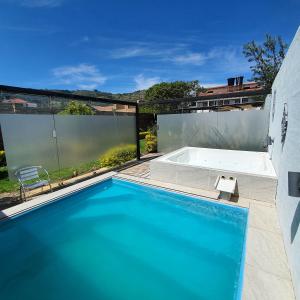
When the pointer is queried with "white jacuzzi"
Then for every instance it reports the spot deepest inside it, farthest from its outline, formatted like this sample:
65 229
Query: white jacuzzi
200 167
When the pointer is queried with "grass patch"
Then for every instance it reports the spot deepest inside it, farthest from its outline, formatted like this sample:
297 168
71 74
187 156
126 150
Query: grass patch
7 186
67 173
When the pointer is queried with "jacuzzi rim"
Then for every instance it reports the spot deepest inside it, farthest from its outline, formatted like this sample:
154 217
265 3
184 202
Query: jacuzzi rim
164 159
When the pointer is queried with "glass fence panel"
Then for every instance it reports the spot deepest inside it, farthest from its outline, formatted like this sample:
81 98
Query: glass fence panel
16 103
126 128
28 141
69 106
82 139
200 129
243 130
239 130
170 132
179 130
103 108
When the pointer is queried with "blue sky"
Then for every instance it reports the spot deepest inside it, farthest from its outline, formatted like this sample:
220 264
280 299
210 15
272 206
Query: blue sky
126 45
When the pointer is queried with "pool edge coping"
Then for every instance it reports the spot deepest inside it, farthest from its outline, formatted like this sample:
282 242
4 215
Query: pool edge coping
45 199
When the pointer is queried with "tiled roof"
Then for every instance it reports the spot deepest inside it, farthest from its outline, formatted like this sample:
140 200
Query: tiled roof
15 101
225 89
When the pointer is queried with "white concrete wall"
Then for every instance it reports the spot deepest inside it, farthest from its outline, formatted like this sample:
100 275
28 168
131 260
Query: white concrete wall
286 157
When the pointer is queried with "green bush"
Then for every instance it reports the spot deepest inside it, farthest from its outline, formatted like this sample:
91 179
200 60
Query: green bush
117 156
77 108
151 143
2 157
143 134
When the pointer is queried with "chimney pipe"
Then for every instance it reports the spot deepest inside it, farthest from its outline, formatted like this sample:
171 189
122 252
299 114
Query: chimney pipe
239 80
230 81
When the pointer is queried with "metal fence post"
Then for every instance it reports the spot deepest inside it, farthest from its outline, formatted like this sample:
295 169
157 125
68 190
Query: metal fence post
137 128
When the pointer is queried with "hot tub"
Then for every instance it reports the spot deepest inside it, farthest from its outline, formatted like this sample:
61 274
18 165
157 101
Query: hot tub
200 167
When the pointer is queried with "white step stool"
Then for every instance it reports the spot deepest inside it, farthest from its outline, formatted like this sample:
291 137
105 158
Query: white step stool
226 187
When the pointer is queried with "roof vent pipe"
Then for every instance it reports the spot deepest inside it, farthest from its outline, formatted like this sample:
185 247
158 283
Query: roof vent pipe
239 80
230 81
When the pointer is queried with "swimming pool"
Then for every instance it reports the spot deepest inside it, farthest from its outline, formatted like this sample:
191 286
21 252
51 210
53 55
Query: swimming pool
121 240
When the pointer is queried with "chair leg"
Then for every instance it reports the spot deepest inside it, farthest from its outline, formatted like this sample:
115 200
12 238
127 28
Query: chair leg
22 191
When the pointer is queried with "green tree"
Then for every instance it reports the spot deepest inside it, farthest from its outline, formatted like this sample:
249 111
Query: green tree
172 90
168 90
77 108
267 59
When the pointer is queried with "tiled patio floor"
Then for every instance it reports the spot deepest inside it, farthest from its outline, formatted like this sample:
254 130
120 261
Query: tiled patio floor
141 170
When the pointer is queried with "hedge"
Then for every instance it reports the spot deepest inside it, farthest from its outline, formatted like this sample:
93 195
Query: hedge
143 134
151 143
118 155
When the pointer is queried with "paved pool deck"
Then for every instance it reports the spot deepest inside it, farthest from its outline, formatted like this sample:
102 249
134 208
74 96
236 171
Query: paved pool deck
267 275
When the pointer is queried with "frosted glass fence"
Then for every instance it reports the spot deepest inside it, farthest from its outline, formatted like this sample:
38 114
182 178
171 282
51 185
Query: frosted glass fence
82 139
40 130
61 141
238 130
28 141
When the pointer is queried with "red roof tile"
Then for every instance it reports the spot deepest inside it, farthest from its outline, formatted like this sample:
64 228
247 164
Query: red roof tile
225 89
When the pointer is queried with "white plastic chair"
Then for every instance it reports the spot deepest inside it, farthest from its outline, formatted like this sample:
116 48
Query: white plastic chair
29 179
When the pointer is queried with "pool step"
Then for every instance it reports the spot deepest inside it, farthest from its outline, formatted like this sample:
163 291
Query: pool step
226 187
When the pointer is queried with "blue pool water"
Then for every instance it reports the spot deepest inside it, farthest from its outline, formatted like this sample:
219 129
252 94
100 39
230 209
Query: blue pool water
119 240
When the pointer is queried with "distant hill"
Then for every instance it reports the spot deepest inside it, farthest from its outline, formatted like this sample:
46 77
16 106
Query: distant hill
134 96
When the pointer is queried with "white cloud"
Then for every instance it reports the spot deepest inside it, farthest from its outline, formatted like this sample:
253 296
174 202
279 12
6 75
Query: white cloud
83 76
190 58
229 59
146 50
223 58
41 3
143 83
129 52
